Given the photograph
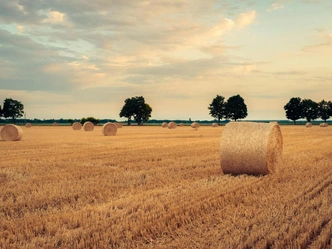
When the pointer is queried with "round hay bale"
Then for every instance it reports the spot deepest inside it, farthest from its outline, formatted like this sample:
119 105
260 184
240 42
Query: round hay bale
109 129
28 125
251 148
308 125
164 125
55 124
11 132
76 126
118 125
214 125
88 126
195 125
323 125
181 124
171 125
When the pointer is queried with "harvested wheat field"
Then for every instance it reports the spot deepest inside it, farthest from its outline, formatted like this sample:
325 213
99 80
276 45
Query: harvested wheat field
148 187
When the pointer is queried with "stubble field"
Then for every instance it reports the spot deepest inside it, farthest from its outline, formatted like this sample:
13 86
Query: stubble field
151 187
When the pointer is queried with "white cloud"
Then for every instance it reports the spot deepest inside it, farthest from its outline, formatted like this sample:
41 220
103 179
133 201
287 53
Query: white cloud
55 17
275 6
244 19
19 28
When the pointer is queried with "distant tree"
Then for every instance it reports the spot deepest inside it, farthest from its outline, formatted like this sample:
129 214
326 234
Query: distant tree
310 109
236 108
0 111
294 109
91 119
70 121
324 110
12 109
136 108
218 108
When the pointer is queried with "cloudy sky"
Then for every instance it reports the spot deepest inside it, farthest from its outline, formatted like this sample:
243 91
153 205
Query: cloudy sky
78 58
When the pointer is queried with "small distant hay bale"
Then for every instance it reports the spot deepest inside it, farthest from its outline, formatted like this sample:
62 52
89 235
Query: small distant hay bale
308 125
55 124
28 125
11 132
118 125
76 126
88 126
323 125
109 129
214 125
251 148
181 124
164 125
171 125
195 125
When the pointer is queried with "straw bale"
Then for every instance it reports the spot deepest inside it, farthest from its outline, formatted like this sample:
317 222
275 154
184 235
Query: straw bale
109 129
88 126
181 124
251 148
195 125
171 125
11 132
214 125
55 124
76 126
28 125
164 125
118 125
308 125
323 125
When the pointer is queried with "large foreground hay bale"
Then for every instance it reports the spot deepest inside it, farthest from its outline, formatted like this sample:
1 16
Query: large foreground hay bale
11 132
214 125
76 126
308 125
88 126
323 125
109 129
164 125
28 125
171 125
195 125
251 148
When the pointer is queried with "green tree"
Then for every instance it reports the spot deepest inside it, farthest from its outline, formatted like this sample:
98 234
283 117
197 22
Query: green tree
70 121
310 109
136 108
218 108
294 109
93 120
12 109
236 108
324 109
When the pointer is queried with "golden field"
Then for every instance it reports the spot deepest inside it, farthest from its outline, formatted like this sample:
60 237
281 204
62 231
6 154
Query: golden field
152 187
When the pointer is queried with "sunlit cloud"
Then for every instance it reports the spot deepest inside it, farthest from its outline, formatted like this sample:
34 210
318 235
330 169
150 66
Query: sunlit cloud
244 19
275 6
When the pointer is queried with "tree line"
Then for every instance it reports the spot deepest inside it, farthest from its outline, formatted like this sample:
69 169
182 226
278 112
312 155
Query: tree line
298 108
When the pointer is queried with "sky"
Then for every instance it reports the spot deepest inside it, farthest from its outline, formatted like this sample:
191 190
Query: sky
80 58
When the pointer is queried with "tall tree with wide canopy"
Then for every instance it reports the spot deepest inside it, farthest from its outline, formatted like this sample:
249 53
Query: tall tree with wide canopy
310 109
324 109
12 109
236 108
136 108
294 109
218 108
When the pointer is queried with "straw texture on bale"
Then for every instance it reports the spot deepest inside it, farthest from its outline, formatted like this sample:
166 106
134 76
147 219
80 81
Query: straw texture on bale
109 129
55 124
171 125
28 125
88 126
308 125
214 125
76 126
195 125
251 148
164 124
323 125
11 132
